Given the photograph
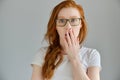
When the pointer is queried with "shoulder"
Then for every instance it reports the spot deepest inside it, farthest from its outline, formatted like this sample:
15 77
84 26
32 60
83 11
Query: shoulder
91 56
38 58
41 50
89 51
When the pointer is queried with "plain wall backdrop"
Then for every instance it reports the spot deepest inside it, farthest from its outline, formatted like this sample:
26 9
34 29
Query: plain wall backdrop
23 25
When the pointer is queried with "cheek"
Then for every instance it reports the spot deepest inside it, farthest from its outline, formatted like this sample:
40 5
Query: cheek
60 32
76 31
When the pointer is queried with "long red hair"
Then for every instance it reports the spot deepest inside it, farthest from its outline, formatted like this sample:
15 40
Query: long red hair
53 57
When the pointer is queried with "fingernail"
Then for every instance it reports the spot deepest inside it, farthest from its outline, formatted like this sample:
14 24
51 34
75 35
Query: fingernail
65 34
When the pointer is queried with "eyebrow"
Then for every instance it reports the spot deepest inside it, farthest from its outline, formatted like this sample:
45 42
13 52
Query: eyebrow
70 17
61 17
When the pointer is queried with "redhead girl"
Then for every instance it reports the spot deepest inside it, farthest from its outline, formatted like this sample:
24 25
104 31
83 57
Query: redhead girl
66 58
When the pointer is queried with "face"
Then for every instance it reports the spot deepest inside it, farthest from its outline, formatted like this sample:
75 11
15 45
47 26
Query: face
73 15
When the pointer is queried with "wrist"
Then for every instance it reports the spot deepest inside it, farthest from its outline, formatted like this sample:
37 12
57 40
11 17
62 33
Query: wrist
75 61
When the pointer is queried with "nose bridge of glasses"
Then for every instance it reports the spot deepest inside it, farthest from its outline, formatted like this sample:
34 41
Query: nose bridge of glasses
67 20
68 25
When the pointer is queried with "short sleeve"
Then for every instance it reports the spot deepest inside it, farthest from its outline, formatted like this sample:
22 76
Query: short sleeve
94 59
38 59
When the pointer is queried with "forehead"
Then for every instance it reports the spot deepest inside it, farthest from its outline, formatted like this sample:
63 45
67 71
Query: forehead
68 13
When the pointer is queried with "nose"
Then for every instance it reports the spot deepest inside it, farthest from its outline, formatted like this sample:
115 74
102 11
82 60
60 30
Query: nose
67 26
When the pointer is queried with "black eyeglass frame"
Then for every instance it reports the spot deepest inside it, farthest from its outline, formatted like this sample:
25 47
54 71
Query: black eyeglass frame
68 20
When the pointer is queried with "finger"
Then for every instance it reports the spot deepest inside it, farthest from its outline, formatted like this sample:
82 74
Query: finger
65 41
68 39
73 33
65 44
72 37
78 41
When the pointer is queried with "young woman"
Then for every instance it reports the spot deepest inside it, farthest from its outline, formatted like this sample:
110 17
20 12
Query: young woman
65 58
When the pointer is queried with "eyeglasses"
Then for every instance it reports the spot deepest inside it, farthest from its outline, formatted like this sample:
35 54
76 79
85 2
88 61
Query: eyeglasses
72 21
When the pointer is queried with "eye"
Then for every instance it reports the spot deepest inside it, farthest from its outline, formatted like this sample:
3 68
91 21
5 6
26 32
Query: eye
61 20
73 20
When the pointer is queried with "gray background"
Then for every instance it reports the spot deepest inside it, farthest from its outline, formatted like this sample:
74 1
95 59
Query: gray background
23 25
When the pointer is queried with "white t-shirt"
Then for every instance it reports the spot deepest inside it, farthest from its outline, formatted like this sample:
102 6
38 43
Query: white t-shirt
89 57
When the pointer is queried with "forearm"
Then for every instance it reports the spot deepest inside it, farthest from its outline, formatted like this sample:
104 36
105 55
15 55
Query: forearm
78 71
